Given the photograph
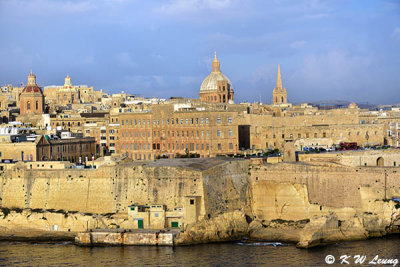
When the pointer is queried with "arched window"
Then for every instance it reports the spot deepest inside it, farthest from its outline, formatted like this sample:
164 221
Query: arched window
37 105
282 99
28 105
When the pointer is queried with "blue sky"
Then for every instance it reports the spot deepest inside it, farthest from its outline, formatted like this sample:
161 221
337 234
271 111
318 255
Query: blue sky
343 49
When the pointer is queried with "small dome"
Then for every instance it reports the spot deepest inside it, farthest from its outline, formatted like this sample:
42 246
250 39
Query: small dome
210 82
32 89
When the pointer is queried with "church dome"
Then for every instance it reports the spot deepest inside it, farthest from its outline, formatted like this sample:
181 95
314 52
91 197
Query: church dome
210 83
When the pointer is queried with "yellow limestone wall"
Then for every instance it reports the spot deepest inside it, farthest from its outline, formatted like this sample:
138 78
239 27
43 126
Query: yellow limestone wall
111 189
106 190
300 191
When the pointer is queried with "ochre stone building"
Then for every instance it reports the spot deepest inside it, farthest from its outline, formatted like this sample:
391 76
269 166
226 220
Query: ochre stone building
68 94
167 130
45 148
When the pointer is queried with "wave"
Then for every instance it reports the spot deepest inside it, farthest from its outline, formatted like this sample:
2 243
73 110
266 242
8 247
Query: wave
274 244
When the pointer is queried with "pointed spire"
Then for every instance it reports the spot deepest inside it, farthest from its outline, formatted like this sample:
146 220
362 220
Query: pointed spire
215 64
278 78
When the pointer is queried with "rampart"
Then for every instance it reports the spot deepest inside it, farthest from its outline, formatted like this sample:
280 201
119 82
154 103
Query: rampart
111 189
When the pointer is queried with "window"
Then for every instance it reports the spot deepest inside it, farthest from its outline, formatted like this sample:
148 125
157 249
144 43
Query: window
219 120
219 147
218 133
230 146
28 105
206 120
230 120
156 215
37 105
230 132
192 202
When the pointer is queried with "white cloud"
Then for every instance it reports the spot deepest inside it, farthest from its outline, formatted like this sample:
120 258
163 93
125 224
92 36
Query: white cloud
314 16
52 8
298 44
336 74
87 60
396 34
143 82
157 56
190 6
190 80
125 59
266 74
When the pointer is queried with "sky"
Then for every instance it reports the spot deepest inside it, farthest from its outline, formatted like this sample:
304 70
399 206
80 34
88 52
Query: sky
327 50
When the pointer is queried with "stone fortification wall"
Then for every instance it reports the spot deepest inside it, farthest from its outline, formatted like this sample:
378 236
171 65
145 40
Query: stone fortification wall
390 157
225 187
335 185
111 189
108 189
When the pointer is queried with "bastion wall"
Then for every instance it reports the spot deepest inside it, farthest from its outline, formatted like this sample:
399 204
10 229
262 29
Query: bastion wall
111 189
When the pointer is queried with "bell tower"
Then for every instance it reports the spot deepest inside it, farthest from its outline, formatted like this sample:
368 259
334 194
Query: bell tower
279 95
